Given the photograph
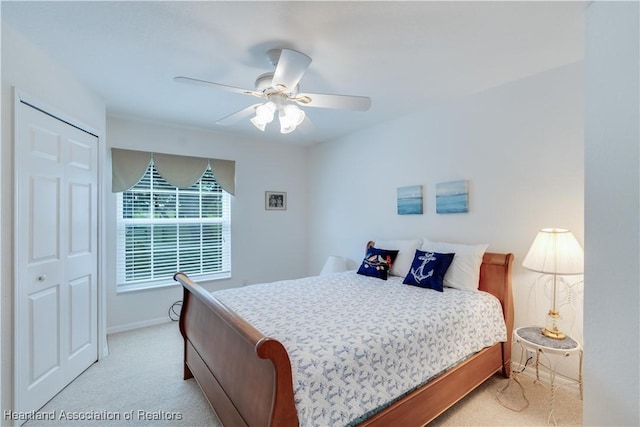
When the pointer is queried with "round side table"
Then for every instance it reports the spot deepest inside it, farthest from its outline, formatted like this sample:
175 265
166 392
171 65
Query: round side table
552 350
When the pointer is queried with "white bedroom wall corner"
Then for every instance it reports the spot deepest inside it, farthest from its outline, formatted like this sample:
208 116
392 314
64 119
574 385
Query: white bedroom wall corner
612 212
26 66
266 245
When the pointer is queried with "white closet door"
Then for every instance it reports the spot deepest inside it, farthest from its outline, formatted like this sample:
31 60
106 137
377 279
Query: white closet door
55 289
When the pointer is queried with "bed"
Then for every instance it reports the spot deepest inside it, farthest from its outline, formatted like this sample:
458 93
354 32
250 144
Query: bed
250 378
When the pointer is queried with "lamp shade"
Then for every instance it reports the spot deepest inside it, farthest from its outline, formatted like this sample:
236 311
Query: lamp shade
334 264
555 251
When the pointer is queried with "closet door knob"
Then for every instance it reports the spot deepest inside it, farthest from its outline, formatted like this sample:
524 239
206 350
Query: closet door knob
42 278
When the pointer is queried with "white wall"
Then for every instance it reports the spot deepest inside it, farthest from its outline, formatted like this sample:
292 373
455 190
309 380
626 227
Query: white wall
612 215
29 69
266 245
520 146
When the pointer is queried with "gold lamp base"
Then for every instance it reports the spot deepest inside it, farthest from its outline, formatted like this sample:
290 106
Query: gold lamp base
553 333
551 330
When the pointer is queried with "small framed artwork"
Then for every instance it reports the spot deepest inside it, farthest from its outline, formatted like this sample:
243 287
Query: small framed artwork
452 197
275 200
410 200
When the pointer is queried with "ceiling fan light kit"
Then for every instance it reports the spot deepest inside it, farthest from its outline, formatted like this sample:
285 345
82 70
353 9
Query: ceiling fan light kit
280 88
290 117
264 115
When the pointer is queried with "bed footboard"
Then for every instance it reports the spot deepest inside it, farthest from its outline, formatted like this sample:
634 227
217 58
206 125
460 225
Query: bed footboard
245 375
247 378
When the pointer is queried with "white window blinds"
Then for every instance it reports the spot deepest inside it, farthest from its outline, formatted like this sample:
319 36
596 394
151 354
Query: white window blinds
163 229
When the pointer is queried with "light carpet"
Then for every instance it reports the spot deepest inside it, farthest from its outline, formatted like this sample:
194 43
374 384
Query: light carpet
140 384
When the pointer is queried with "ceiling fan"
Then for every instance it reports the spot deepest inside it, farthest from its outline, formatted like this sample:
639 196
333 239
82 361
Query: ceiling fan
280 89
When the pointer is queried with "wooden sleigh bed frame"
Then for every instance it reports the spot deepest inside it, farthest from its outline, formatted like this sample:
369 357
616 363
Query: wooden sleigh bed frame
247 379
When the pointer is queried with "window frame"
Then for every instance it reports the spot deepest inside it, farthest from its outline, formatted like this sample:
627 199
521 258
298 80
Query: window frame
162 187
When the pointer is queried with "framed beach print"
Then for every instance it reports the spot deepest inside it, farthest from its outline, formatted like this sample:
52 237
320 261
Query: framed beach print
452 197
275 200
409 200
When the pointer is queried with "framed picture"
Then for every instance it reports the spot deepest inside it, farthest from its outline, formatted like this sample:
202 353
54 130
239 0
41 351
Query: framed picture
452 197
409 200
275 200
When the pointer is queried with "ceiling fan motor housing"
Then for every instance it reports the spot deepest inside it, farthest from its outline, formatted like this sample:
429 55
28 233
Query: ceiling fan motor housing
273 55
264 84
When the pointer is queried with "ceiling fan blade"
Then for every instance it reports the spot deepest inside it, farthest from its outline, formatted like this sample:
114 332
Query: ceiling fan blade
290 68
238 115
342 102
198 82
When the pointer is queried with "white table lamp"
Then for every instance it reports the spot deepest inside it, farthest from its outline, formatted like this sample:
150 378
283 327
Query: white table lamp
554 251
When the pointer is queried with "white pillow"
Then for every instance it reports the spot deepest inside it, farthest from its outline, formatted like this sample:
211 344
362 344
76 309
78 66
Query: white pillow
406 251
464 271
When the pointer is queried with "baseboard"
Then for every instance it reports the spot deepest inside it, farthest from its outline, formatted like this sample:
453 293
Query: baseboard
137 325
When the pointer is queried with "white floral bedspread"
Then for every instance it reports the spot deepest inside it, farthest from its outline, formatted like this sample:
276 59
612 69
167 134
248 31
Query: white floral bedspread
357 343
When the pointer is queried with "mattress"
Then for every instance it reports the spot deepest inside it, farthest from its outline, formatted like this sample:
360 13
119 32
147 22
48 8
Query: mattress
358 343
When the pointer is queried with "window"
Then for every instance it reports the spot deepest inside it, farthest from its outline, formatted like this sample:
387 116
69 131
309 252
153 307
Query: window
163 229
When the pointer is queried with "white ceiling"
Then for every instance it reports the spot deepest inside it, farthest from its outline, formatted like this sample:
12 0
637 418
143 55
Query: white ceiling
401 54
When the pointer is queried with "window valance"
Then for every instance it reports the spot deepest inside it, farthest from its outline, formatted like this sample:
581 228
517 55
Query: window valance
128 166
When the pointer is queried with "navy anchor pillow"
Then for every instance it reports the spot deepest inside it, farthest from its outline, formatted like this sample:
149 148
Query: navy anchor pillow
377 263
428 270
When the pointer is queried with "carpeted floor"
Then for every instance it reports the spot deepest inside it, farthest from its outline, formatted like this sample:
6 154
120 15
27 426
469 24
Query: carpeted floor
140 384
